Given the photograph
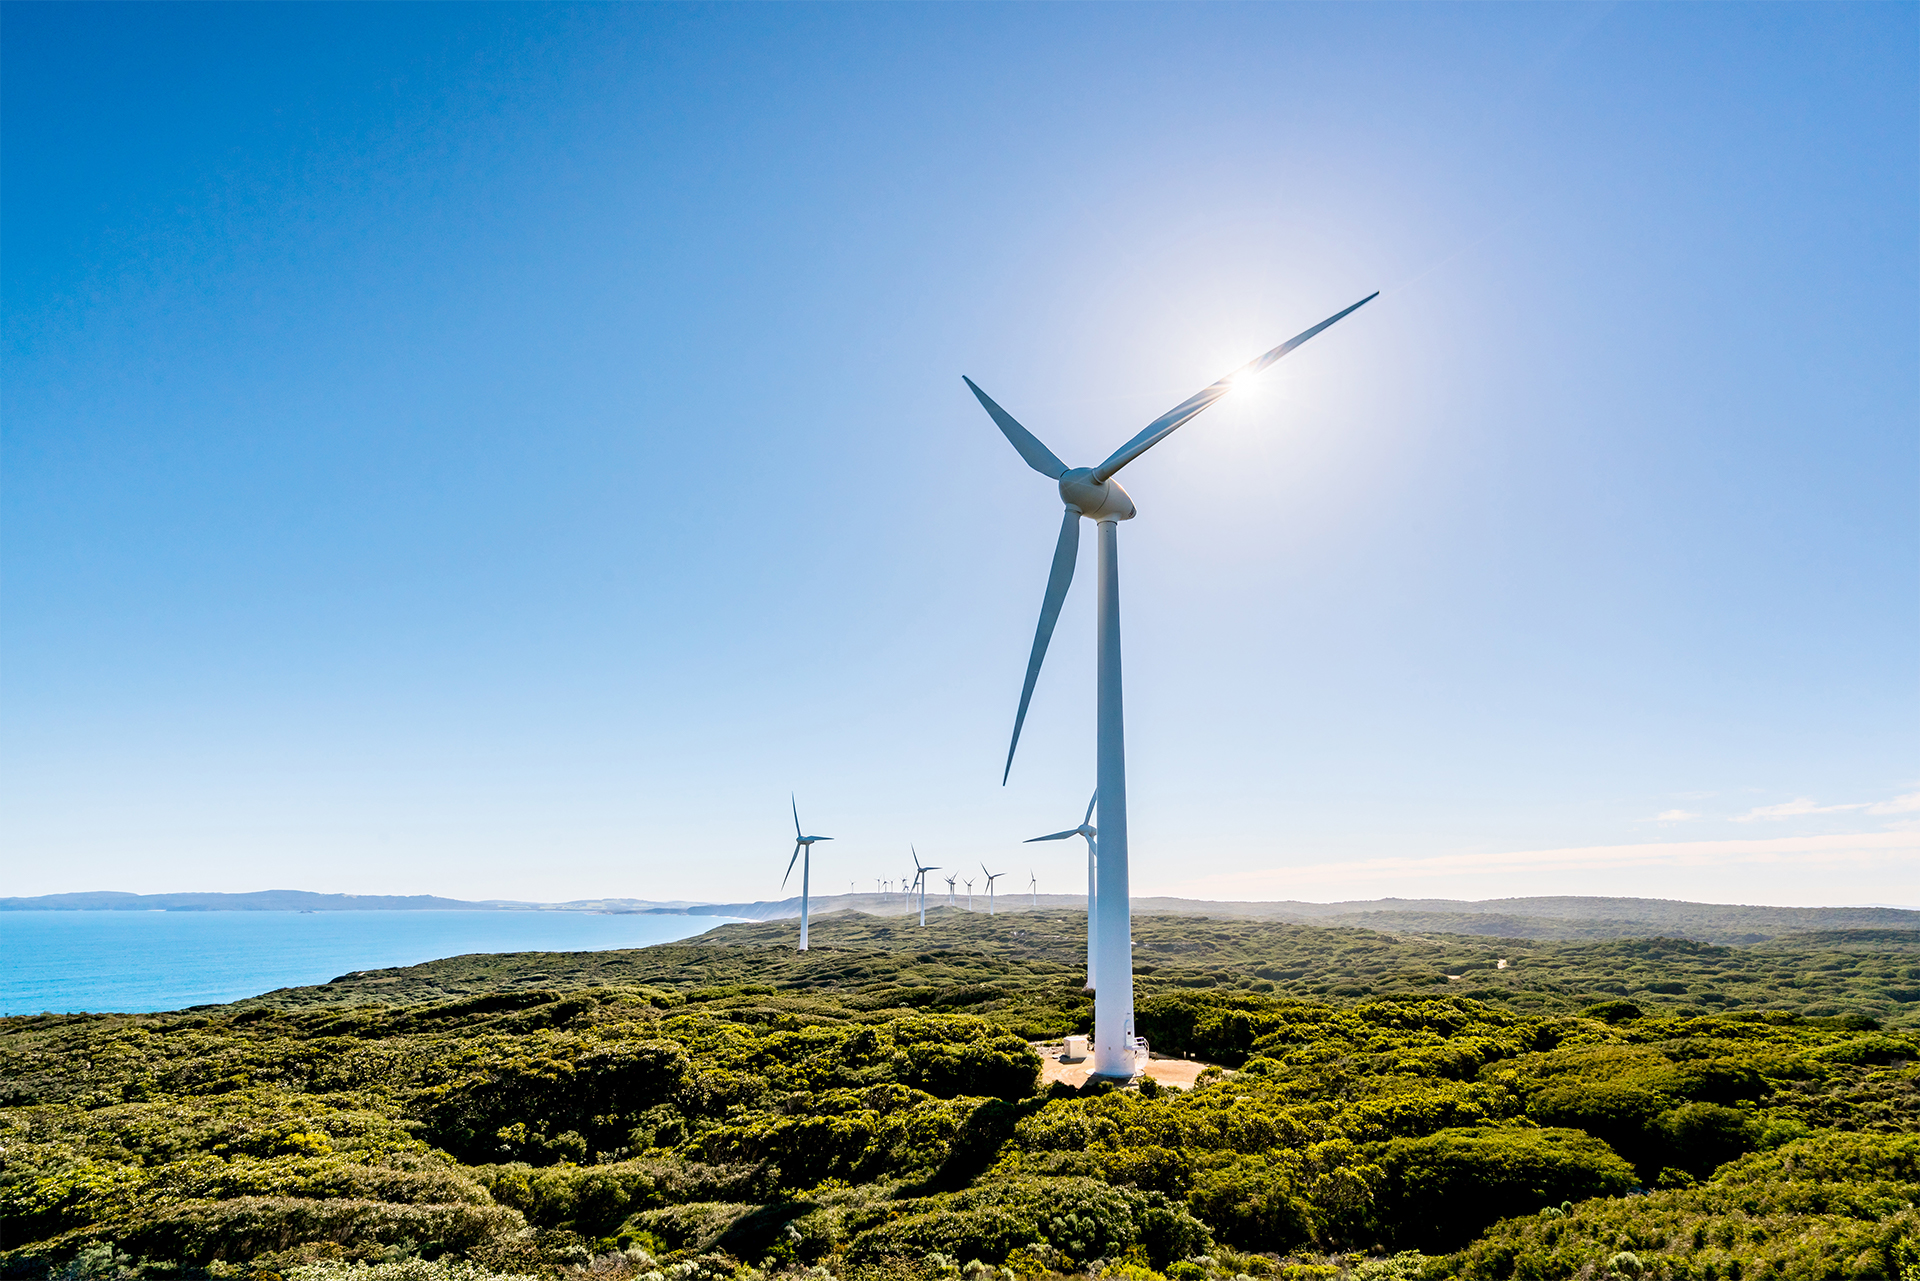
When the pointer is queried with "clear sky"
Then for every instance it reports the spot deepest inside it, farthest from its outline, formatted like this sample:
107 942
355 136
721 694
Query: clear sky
503 451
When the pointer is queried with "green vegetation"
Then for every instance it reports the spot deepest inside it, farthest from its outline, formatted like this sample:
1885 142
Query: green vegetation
873 1109
1023 968
1566 918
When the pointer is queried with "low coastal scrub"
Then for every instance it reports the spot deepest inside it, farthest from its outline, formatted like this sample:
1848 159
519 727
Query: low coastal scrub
756 1130
1024 969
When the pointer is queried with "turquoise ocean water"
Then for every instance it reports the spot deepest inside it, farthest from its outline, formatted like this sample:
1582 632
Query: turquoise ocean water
139 961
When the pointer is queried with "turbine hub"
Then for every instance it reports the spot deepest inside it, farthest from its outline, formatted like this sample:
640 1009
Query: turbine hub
1104 500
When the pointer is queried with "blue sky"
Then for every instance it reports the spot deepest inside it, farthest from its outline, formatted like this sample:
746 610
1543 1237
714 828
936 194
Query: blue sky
503 451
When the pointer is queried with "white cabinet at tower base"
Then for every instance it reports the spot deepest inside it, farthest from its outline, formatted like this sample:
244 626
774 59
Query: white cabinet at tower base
1076 1050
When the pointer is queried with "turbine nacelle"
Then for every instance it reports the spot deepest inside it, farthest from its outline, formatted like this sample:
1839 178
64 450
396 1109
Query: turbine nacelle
1097 500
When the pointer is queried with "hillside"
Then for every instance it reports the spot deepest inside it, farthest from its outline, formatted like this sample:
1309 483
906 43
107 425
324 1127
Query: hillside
1564 918
732 1109
1034 961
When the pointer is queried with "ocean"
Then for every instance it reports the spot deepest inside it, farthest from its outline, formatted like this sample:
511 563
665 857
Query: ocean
64 962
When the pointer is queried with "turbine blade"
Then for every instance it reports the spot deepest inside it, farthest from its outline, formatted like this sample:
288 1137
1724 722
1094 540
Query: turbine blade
790 862
1059 578
1166 424
1057 836
796 817
1091 802
1038 456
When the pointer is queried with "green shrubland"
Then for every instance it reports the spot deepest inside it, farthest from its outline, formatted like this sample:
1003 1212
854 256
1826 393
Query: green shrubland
1025 968
868 1111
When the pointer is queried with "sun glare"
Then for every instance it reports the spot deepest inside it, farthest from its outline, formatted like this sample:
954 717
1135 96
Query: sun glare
1245 385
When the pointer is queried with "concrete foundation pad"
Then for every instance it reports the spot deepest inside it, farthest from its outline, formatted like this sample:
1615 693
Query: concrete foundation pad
1177 1073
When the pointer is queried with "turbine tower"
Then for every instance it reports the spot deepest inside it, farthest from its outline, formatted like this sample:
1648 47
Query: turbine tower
1091 492
1091 832
950 881
802 845
969 893
920 879
1033 888
991 878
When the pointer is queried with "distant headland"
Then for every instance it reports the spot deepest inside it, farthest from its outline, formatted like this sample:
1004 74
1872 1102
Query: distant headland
1567 917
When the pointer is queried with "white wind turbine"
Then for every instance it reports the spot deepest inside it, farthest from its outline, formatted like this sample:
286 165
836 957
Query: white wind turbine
802 846
950 881
1088 830
991 878
1033 888
969 893
920 879
1093 493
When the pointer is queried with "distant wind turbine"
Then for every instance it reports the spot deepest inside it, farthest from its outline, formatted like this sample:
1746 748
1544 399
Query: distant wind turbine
802 850
1088 830
950 881
969 893
1033 888
920 879
991 878
1093 493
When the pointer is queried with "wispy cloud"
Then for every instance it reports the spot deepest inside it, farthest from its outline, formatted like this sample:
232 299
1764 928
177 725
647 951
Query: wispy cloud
1801 806
1872 854
1795 809
1674 816
1907 804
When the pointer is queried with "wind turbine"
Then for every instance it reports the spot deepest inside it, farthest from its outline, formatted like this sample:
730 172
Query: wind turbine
950 881
1093 493
1089 831
969 893
1033 888
920 879
991 878
801 845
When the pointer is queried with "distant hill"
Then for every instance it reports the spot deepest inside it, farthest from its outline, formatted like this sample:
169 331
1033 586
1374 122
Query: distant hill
306 901
1565 919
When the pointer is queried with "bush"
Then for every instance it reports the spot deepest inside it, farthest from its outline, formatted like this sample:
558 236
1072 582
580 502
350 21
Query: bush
1624 1117
1700 1137
1082 1219
201 1232
1441 1191
403 1270
582 1096
1253 1204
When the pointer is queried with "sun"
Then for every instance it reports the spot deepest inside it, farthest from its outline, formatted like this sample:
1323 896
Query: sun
1243 384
